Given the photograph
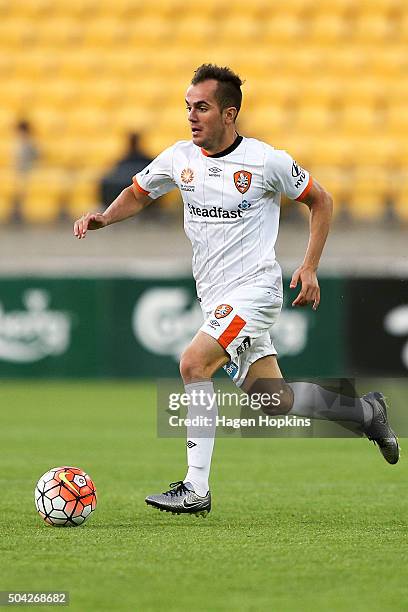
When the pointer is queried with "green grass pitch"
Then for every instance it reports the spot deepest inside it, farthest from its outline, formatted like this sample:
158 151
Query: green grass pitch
297 524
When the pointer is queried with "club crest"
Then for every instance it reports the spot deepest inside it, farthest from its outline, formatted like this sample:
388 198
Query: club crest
242 180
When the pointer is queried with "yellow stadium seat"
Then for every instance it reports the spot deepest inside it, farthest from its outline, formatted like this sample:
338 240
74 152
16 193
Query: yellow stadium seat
358 119
397 120
8 190
243 28
7 148
132 118
283 28
195 32
330 150
396 92
334 179
7 120
102 94
143 92
370 191
327 28
19 96
58 31
363 91
389 62
28 8
83 194
39 65
151 30
81 63
318 119
47 122
87 121
264 119
16 33
105 32
57 94
379 150
289 8
44 195
367 8
80 9
273 89
371 29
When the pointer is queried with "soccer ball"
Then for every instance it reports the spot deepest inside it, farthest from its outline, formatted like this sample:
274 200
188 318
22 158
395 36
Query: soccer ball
65 497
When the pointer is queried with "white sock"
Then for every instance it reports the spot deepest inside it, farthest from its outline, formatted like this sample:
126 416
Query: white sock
200 436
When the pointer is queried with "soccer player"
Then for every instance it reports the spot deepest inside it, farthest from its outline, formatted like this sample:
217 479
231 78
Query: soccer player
231 187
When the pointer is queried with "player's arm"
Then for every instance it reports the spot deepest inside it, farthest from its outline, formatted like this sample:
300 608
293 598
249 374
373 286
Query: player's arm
320 204
128 203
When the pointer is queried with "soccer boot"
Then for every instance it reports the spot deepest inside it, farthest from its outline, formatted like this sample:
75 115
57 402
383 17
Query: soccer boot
379 431
181 499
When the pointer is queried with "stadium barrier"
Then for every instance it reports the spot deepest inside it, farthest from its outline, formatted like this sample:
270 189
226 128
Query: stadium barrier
138 327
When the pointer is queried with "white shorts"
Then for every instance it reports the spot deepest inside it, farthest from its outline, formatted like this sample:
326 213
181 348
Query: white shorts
241 324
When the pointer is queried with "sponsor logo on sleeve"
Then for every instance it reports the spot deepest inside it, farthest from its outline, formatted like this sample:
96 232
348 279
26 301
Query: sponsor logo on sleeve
223 310
242 180
296 170
298 173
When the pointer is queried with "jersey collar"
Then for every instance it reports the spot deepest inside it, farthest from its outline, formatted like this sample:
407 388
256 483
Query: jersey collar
226 151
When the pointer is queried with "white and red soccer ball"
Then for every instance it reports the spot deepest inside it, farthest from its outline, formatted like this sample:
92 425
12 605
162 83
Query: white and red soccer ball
65 497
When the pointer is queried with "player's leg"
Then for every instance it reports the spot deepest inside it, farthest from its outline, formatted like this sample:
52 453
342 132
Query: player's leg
364 416
202 358
264 377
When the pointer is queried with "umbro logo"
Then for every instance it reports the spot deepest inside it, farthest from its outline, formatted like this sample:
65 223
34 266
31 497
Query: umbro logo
191 444
214 171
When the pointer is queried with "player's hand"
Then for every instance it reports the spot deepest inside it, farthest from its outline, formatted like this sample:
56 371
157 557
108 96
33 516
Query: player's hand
310 290
90 221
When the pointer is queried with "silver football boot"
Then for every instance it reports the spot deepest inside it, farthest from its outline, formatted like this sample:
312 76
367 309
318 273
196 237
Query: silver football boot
380 431
181 499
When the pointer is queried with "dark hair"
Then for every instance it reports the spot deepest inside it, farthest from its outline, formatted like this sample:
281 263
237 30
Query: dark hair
23 126
229 84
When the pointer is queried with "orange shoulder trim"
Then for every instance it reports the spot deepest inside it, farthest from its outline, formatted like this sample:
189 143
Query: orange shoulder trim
306 190
138 187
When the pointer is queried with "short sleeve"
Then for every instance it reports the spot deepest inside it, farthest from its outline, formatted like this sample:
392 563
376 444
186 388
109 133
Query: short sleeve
157 178
284 175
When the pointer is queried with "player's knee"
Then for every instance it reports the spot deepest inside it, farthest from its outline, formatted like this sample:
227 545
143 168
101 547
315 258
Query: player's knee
193 367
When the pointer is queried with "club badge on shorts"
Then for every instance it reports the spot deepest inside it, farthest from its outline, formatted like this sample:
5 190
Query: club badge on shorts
223 310
242 180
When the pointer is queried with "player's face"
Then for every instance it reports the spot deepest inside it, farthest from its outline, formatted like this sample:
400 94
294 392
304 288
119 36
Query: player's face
207 121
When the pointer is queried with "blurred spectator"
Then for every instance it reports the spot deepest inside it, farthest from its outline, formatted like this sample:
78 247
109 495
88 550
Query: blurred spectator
26 155
121 174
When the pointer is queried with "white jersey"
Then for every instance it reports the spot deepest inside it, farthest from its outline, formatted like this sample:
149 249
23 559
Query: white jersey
231 210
